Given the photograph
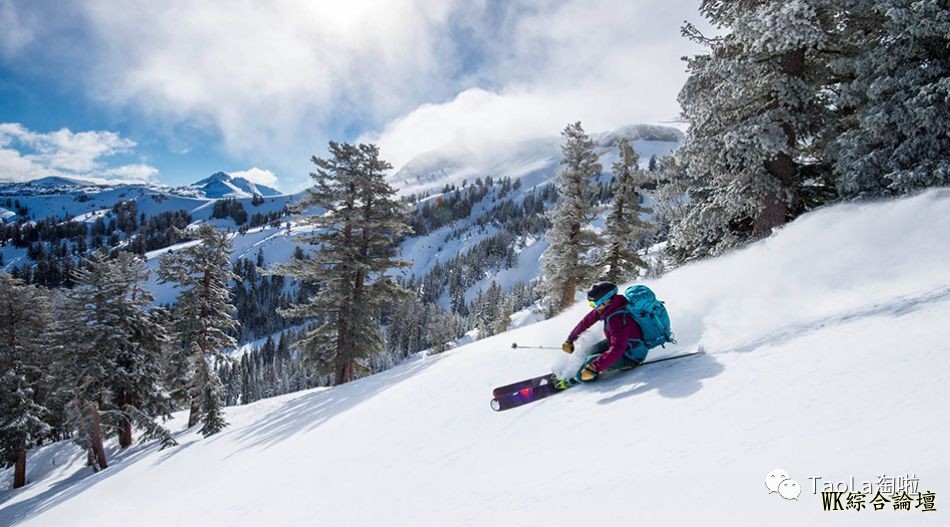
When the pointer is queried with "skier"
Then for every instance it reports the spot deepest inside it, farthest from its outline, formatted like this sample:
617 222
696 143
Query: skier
624 337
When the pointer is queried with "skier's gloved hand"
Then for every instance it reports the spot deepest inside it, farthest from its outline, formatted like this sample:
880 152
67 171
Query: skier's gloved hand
589 373
568 346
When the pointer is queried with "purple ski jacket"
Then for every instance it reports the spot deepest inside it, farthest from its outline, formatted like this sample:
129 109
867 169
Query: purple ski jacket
619 330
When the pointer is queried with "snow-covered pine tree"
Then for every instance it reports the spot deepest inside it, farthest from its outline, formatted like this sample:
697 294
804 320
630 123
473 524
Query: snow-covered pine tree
400 326
563 264
284 365
356 238
24 322
247 380
485 310
203 315
503 316
109 348
755 106
212 398
620 262
440 331
136 385
893 134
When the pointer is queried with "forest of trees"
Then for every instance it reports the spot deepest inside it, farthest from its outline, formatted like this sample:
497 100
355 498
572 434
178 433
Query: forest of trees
83 362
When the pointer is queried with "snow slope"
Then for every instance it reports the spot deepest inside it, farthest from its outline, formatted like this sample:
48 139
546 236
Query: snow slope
827 356
277 245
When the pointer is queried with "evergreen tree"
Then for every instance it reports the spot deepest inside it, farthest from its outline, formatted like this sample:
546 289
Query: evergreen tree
440 331
109 345
212 397
24 319
247 383
893 134
486 310
503 316
570 238
620 261
356 238
136 385
203 318
755 104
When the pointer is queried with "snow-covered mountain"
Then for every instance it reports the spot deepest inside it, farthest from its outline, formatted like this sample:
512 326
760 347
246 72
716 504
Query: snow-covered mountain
221 185
826 356
59 181
55 201
533 162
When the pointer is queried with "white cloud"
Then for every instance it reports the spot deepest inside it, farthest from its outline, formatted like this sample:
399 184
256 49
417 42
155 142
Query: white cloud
277 79
15 167
133 173
265 74
27 155
257 175
606 63
15 34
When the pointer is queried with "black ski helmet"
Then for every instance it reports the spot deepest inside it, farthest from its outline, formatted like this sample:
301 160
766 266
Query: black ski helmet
601 292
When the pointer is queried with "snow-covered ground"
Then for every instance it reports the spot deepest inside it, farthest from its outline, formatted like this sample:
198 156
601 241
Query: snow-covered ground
828 356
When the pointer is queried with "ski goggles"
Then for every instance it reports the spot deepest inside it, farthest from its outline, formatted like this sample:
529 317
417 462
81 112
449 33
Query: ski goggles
597 303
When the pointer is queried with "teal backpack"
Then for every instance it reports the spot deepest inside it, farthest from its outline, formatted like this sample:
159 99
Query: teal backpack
651 316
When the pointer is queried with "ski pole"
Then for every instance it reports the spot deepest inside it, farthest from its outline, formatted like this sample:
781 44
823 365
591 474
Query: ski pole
515 345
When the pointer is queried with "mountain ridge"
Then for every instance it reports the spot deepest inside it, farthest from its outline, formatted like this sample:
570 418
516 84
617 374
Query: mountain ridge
224 185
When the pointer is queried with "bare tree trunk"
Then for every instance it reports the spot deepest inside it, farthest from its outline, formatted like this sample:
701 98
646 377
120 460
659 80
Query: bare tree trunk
567 294
570 286
348 369
95 438
773 206
195 412
339 376
19 473
342 349
125 429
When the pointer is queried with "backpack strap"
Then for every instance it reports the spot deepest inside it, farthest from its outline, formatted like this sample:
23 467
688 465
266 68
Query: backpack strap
618 312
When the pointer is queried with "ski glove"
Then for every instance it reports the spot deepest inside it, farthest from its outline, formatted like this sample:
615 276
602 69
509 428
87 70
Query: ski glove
568 347
589 373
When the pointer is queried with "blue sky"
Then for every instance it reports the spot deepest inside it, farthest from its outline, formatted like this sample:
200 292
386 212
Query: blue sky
171 91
